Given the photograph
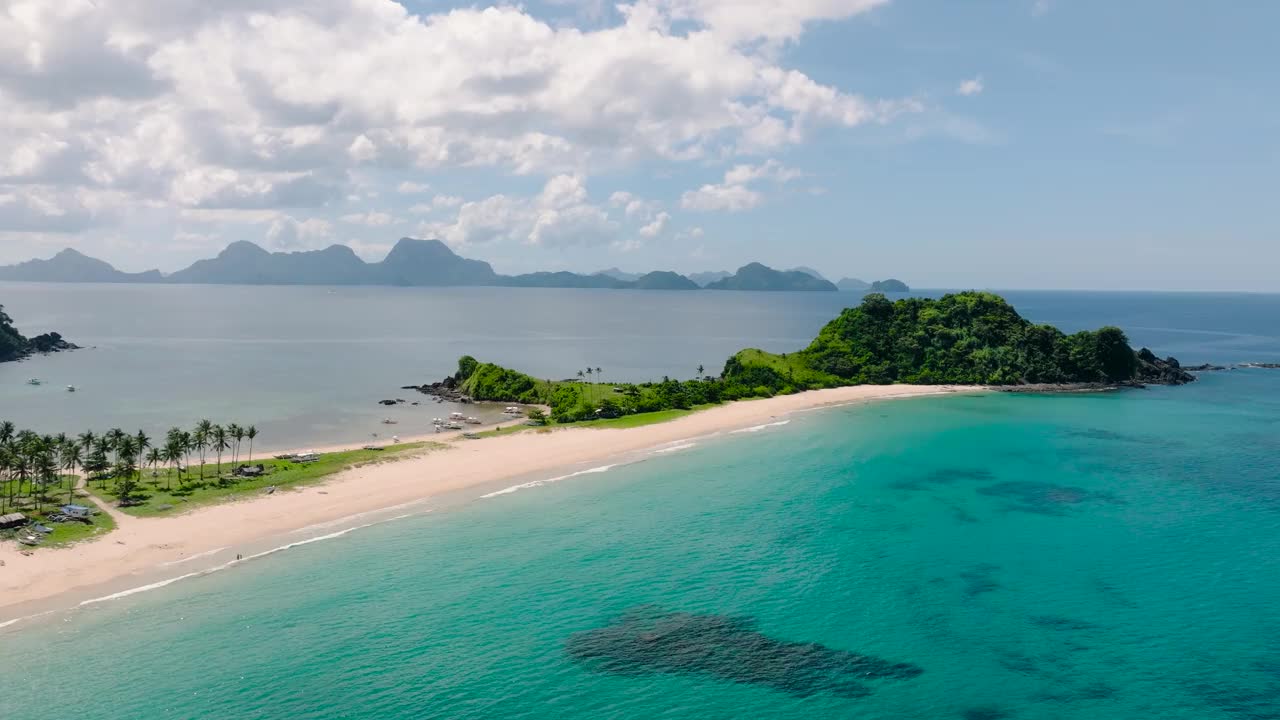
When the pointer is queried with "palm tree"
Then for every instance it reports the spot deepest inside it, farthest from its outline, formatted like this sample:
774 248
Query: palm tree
97 461
251 433
114 436
72 455
200 441
46 470
6 432
144 444
173 452
237 433
220 443
6 463
154 456
126 466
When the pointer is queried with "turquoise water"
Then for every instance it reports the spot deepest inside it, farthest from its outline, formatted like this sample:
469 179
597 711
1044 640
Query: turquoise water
1104 556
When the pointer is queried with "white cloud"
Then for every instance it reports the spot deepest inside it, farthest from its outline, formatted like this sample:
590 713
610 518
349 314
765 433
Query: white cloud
158 98
734 195
970 87
656 227
446 201
369 219
747 20
289 233
558 216
1041 7
412 188
35 209
733 198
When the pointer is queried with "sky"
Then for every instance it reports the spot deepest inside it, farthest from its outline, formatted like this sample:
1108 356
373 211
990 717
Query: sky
1076 144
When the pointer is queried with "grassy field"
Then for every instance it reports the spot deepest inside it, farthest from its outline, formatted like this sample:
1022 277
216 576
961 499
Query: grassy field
165 495
68 533
789 366
639 419
627 421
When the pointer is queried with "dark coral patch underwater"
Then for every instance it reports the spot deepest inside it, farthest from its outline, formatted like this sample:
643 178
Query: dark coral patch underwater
650 640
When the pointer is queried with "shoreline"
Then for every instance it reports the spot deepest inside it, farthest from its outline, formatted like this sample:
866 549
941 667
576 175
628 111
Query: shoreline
145 553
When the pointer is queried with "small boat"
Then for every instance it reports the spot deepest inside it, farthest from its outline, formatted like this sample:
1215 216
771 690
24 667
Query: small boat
71 388
453 426
457 416
389 421
512 410
35 381
473 421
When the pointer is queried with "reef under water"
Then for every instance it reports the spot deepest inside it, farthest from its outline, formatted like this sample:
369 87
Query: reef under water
650 640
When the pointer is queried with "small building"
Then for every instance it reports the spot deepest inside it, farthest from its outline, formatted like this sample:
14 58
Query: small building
76 512
12 520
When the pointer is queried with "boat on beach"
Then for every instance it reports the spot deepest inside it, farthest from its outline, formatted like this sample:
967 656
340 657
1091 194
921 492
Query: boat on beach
512 410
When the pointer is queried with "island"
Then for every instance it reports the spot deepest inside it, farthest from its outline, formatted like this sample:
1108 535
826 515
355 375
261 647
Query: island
14 346
968 338
71 266
889 286
852 285
755 276
704 279
411 263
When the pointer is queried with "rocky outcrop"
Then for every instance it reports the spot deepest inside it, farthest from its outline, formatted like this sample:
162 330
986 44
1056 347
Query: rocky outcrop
448 390
1156 371
49 343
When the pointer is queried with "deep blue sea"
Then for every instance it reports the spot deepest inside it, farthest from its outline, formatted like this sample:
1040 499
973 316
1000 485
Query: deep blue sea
972 557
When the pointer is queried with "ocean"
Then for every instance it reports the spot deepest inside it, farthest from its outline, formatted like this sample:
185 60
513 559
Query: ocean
969 557
308 365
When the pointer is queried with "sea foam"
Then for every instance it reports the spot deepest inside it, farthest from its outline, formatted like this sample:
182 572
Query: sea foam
758 428
548 481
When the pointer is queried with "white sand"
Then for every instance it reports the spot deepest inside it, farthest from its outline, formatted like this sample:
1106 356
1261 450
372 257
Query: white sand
144 549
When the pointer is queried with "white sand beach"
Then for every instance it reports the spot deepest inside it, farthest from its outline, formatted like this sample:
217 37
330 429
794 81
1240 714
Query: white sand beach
149 550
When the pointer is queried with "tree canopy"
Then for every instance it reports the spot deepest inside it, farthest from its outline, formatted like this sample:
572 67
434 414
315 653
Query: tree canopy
968 338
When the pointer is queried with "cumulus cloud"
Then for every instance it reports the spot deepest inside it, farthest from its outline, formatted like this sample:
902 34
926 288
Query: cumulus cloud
289 233
734 195
244 110
656 227
43 210
369 219
560 215
970 87
283 82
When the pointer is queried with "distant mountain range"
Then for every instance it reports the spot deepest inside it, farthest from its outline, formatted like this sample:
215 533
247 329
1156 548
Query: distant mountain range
755 276
411 263
72 267
704 279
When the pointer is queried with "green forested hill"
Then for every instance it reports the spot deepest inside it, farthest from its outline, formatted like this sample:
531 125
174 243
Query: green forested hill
968 338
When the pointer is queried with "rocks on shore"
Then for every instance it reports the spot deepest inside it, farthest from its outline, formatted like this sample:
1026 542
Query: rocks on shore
446 390
1156 371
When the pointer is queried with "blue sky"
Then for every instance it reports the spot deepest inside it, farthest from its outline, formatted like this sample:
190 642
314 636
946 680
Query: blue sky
1006 144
